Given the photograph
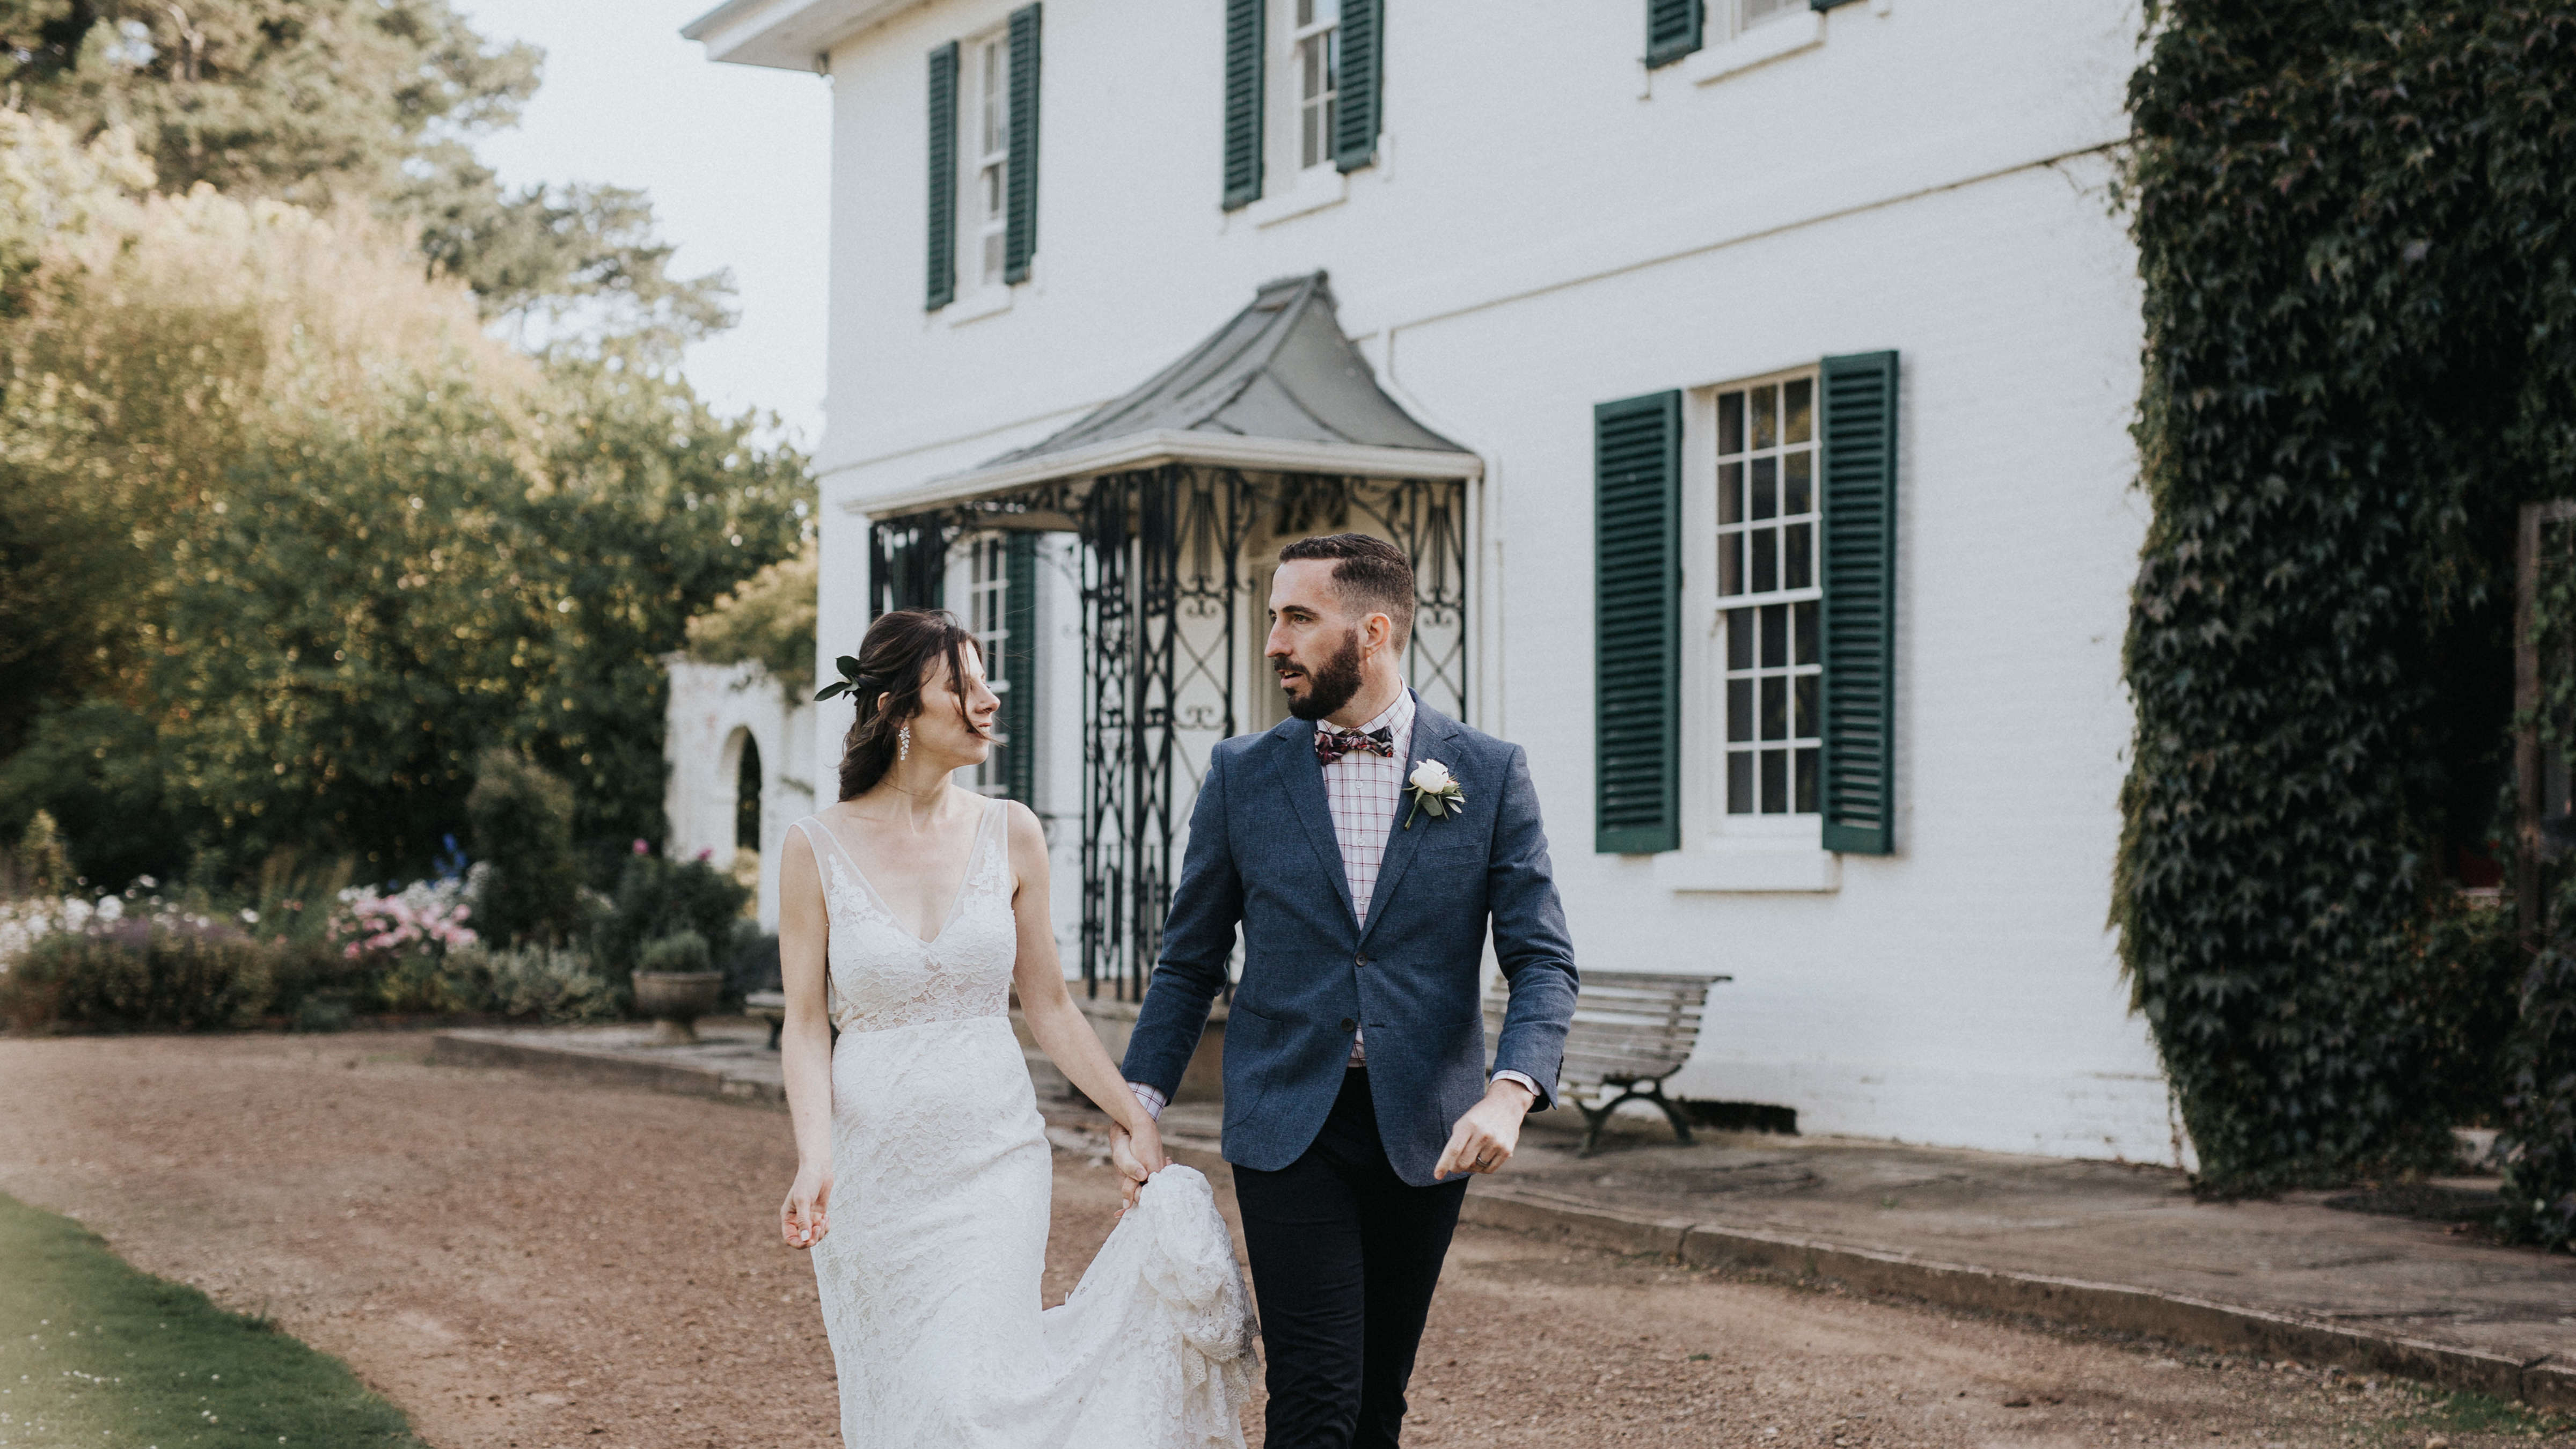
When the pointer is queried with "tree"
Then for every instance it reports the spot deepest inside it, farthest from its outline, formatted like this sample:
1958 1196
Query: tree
767 620
373 103
351 542
311 101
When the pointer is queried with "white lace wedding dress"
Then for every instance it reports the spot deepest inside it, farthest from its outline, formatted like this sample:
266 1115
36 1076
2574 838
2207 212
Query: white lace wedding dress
941 1177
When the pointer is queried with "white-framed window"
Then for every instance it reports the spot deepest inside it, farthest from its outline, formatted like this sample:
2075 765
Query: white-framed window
1315 64
1770 661
988 596
1738 16
986 156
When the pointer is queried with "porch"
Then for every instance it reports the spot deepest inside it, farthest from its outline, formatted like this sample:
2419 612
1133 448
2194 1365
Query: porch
1157 519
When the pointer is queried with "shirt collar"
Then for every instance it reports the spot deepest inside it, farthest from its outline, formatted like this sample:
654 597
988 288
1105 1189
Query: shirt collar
1396 718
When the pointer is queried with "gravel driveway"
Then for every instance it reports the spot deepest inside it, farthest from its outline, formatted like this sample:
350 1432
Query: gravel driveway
522 1262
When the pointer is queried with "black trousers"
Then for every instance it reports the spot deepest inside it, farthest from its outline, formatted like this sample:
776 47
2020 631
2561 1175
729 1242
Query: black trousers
1345 1255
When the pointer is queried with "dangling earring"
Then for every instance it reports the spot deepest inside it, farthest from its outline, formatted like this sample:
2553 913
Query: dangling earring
903 744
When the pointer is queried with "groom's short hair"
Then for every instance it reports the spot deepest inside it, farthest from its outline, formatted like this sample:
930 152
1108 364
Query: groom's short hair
1372 575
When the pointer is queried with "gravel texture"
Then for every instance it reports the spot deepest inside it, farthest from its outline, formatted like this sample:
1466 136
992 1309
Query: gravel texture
524 1262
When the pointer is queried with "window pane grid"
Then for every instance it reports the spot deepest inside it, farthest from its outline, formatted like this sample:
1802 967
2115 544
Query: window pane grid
1318 62
1767 548
1750 13
987 612
992 155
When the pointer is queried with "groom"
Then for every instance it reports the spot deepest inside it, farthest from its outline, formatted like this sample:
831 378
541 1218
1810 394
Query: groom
1356 1095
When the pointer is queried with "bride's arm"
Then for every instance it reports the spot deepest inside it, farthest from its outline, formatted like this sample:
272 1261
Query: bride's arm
1061 1030
805 1042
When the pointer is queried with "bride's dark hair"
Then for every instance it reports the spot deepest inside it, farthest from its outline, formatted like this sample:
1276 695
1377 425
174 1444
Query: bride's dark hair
894 662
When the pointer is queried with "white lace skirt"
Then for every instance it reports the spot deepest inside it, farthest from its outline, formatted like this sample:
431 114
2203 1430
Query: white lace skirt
930 1278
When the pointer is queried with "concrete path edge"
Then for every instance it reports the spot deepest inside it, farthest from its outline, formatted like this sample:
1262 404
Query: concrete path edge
476 1049
2116 1307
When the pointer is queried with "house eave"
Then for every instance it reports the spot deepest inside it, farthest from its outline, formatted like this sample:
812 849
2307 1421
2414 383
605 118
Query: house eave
1152 449
785 34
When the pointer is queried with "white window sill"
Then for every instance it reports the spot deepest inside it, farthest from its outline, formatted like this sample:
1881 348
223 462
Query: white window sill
983 302
1761 45
1317 187
1750 866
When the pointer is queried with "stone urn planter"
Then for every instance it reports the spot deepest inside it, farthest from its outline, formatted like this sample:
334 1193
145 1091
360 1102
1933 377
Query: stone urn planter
675 1000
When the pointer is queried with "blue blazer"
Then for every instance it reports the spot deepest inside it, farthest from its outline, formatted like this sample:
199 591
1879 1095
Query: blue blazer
1262 855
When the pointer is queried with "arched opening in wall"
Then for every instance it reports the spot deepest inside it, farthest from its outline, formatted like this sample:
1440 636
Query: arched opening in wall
747 779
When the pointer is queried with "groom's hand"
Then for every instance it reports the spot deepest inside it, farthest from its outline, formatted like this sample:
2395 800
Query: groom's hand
1483 1139
1136 1160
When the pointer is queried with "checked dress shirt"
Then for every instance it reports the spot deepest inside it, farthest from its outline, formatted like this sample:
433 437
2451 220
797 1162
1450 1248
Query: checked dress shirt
1363 788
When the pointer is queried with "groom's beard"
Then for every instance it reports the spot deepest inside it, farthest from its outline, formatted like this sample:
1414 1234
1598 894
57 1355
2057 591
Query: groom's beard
1330 687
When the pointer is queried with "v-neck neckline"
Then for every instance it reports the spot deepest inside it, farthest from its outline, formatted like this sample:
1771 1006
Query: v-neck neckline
956 900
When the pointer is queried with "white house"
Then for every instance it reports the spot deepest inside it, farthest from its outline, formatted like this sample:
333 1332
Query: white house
1750 379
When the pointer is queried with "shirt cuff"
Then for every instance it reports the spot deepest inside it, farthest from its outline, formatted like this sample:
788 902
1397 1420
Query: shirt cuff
1154 1103
1508 1075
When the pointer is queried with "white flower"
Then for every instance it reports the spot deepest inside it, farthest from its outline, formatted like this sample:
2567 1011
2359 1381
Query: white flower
110 908
1435 792
250 918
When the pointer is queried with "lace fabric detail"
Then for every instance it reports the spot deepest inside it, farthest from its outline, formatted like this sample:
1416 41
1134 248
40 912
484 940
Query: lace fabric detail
929 1280
881 976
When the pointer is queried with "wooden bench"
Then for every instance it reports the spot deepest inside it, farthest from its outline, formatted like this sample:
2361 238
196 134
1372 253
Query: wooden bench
1631 1030
771 1006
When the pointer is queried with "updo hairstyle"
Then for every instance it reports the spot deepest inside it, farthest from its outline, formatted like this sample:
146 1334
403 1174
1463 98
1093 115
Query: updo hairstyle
894 662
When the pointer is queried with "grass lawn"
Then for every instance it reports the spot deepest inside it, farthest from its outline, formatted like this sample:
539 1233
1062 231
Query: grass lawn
94 1353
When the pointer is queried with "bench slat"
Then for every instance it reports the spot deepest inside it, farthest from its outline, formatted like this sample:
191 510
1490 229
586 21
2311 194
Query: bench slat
1640 1024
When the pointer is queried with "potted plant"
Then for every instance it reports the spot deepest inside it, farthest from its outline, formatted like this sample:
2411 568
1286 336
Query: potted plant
675 986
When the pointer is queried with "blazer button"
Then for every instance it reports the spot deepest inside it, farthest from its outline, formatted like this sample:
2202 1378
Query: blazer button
1349 1025
1360 961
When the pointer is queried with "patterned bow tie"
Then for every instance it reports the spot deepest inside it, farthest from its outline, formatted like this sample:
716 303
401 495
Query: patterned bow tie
1331 745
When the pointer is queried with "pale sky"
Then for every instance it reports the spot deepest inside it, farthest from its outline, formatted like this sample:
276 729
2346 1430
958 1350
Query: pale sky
736 160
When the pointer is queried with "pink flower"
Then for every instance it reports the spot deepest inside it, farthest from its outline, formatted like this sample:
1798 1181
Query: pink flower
707 852
641 848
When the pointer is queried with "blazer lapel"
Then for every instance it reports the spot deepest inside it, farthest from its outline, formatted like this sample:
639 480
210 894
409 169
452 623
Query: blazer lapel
1431 730
1292 759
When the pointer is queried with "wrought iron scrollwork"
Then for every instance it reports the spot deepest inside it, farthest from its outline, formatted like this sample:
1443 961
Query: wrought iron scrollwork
1167 617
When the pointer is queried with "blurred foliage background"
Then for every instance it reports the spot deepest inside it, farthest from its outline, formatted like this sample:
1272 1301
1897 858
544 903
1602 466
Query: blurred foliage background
327 464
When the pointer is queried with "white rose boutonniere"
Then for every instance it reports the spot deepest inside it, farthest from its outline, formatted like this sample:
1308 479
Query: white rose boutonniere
1435 790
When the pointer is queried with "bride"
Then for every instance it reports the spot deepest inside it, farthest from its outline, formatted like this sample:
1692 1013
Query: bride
909 911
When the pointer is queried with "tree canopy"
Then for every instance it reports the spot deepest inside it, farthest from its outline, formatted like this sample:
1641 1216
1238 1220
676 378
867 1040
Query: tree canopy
290 534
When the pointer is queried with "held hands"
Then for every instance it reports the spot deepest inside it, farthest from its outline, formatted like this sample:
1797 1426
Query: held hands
1137 1156
802 1218
1483 1139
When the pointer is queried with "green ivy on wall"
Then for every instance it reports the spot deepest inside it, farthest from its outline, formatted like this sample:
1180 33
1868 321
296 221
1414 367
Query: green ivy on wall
2353 222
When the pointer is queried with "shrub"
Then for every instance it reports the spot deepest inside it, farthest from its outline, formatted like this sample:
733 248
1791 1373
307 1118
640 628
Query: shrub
534 982
753 963
40 865
521 818
679 951
139 975
657 897
400 941
2538 1142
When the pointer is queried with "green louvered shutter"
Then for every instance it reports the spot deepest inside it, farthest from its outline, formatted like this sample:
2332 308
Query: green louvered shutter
1020 220
1019 666
1636 583
1244 41
1358 108
943 178
1672 30
1859 466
